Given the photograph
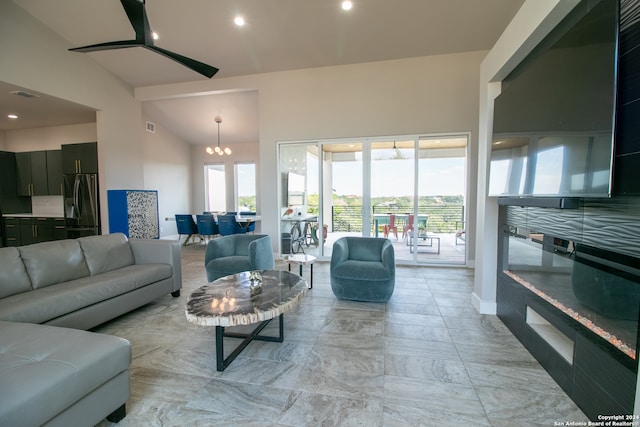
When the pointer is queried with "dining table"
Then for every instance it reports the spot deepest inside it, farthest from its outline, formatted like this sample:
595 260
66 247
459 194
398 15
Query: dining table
246 220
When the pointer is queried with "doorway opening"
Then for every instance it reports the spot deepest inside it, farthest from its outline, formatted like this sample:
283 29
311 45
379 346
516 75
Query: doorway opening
410 189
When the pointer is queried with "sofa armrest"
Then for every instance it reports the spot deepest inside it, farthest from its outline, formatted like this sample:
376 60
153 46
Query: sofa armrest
157 251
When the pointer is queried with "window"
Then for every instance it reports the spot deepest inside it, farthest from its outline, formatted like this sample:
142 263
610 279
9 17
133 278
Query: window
412 185
245 177
215 188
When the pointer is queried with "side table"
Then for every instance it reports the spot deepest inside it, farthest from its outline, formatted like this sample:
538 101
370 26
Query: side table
301 260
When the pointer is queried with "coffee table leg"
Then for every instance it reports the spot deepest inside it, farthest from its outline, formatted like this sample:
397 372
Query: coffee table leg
222 363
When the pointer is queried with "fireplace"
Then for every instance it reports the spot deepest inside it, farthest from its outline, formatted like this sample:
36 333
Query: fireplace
574 301
592 286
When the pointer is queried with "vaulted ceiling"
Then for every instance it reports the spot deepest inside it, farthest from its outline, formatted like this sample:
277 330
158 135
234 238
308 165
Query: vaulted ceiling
278 35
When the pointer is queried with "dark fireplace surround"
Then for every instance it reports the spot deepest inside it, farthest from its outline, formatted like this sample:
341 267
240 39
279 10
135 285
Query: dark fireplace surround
569 290
569 269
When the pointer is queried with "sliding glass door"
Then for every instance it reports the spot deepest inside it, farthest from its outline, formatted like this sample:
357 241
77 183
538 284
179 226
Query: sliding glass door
300 215
440 222
392 191
408 189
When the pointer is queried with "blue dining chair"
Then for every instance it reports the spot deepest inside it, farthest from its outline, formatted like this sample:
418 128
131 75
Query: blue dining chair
252 226
187 226
207 226
228 225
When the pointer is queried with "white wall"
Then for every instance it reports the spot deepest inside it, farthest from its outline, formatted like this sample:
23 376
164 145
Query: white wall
409 96
49 138
167 169
36 58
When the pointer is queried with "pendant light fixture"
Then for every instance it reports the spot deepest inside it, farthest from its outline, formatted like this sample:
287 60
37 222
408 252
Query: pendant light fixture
218 150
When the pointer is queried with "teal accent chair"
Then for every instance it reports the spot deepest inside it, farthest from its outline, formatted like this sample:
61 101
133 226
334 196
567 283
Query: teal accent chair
363 269
237 253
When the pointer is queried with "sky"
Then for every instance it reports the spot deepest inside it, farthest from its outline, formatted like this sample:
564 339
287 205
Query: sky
390 178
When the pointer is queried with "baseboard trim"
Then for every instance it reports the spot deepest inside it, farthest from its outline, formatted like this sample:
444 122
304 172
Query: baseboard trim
483 307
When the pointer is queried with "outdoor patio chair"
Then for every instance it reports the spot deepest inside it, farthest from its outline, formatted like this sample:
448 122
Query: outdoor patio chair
408 227
391 227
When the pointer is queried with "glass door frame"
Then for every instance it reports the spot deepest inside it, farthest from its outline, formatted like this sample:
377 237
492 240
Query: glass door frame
366 182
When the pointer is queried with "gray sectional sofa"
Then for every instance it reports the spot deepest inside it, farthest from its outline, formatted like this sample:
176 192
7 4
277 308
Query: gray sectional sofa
53 375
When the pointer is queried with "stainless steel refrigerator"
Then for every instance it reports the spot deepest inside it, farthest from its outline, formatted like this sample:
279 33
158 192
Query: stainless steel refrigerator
81 205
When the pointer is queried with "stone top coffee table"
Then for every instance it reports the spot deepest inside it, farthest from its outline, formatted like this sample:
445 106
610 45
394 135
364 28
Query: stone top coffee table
242 299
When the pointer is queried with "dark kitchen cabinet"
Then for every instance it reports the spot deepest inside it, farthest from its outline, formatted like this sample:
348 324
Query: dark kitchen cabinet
39 173
21 231
55 180
10 202
12 232
80 158
36 230
59 231
23 174
32 173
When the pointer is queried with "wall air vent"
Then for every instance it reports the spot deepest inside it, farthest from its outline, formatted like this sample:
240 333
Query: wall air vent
151 127
23 94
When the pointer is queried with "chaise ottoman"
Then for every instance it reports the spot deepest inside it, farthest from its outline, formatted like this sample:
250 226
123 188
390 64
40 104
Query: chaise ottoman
56 376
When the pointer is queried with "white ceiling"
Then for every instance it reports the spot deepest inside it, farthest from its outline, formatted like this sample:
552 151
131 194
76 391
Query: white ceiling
39 110
279 35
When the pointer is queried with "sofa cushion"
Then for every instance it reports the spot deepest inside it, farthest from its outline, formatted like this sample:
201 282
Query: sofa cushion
360 271
53 262
104 253
44 369
46 304
13 276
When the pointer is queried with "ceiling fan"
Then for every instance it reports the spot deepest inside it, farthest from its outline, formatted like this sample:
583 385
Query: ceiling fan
137 15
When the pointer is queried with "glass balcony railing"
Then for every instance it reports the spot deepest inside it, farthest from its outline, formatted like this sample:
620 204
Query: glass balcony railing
435 219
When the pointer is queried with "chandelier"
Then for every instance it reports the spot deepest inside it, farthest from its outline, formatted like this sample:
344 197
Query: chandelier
219 151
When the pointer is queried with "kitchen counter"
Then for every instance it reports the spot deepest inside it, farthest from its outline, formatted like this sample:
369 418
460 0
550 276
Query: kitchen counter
33 215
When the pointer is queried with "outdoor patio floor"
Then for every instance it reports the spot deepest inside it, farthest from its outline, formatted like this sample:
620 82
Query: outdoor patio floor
450 252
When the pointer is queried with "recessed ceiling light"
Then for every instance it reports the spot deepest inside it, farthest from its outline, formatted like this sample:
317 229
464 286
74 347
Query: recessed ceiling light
154 35
346 5
239 21
12 116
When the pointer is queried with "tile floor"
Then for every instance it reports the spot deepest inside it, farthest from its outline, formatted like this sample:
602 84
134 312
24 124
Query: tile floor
426 358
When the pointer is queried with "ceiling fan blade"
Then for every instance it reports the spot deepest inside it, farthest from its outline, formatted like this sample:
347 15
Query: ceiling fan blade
137 15
197 66
138 18
108 46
